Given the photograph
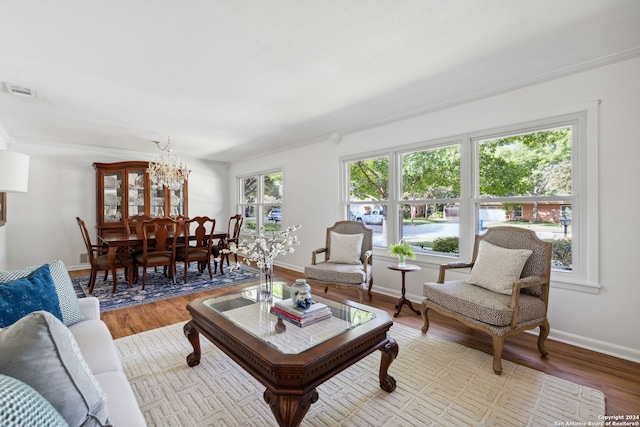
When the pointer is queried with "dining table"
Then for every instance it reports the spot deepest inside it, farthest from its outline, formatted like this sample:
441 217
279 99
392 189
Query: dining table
123 241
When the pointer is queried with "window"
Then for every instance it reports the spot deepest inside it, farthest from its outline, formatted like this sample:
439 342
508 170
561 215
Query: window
430 199
261 201
525 180
368 194
437 195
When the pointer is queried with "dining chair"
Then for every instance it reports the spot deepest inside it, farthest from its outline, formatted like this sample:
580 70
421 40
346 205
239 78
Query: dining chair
99 259
159 237
133 224
198 233
233 234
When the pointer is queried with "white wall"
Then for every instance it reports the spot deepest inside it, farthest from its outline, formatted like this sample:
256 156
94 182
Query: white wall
41 224
606 321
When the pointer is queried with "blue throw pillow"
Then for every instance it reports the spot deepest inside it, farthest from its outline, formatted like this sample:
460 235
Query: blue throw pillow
69 305
31 293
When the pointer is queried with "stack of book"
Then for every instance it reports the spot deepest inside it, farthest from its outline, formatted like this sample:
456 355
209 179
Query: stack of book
287 310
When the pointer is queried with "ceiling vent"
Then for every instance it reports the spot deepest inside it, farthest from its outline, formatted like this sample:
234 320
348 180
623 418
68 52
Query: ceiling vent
20 90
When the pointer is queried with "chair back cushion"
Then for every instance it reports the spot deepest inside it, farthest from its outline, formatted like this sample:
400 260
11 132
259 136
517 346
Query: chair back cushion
538 264
350 227
497 268
345 248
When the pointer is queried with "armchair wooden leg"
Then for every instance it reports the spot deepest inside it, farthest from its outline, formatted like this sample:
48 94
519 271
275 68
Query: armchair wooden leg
360 295
425 317
498 346
542 337
326 288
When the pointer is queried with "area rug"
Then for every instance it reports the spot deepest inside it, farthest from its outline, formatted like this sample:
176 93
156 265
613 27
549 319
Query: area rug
439 383
159 287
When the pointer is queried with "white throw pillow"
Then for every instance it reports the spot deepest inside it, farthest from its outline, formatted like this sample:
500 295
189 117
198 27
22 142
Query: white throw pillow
41 352
497 268
345 248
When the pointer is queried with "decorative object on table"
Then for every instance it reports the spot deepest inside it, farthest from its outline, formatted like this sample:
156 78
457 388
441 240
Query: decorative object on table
402 250
262 250
301 294
168 170
289 311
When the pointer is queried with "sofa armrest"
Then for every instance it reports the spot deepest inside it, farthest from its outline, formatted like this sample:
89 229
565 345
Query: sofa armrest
90 308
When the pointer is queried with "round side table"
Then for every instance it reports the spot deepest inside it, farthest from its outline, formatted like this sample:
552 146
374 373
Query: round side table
404 301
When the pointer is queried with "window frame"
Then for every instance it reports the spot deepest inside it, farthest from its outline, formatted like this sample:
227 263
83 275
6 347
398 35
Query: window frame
584 275
260 199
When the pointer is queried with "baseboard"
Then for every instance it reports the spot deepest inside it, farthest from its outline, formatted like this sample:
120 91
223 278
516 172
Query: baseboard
603 347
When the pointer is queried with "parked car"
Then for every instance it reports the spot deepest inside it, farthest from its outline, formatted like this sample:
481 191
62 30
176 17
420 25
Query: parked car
371 217
275 215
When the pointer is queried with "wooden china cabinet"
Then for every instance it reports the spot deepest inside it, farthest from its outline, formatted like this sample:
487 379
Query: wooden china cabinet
124 189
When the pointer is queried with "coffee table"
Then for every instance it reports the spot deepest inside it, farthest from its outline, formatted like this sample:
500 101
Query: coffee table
291 363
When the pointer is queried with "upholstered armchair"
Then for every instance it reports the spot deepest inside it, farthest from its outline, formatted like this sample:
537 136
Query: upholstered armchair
346 261
506 293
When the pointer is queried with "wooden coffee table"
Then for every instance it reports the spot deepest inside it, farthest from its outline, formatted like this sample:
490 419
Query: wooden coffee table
292 363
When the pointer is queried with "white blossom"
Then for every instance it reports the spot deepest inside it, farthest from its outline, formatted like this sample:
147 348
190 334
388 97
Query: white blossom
262 249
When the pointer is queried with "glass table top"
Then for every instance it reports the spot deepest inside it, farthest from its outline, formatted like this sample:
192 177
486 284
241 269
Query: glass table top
255 317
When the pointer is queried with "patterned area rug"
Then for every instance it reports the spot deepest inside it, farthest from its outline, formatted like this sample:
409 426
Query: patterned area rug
159 287
439 383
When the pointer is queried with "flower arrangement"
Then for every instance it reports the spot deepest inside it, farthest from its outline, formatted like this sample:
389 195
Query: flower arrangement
402 250
263 249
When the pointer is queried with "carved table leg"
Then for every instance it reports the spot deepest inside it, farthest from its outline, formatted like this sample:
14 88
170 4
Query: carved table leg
389 353
193 336
288 409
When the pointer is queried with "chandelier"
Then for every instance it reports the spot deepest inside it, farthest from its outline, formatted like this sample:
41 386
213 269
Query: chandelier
168 170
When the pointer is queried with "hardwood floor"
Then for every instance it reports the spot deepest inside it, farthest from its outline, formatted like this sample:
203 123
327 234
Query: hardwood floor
618 379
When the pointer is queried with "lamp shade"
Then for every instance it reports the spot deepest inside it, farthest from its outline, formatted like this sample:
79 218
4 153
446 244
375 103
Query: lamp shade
14 172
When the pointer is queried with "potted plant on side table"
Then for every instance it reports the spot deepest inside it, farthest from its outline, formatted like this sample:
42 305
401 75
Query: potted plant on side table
402 250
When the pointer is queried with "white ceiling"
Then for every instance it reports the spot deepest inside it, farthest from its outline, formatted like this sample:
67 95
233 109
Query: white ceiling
232 78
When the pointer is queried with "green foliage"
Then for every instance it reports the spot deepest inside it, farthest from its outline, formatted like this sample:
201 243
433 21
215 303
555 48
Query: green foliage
536 164
402 249
562 253
370 179
431 174
273 188
446 245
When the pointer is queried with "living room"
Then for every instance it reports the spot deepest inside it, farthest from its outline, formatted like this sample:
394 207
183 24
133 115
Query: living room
597 311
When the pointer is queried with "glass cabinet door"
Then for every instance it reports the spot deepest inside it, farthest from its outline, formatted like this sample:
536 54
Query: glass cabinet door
112 197
157 200
176 201
136 193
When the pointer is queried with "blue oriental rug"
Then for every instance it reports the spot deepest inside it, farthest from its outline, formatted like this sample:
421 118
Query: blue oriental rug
158 286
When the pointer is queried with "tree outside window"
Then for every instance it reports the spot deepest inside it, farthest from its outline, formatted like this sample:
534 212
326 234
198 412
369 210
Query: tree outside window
261 201
430 199
369 195
525 180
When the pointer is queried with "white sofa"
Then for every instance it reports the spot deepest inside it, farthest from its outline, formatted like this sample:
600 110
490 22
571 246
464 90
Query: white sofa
58 362
97 347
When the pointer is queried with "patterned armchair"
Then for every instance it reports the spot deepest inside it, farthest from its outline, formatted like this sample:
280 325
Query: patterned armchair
348 260
506 293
